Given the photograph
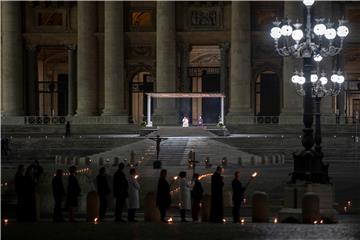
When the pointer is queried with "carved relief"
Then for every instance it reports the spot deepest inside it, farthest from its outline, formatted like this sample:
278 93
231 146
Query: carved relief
204 18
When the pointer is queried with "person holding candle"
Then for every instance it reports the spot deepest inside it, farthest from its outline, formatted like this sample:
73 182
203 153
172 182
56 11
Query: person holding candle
73 192
58 193
163 197
217 208
134 201
120 192
197 195
103 192
238 196
185 200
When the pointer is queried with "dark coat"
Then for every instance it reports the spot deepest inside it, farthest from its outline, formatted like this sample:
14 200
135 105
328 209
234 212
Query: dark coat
163 197
102 185
73 192
29 198
58 188
197 191
217 205
19 185
120 185
238 191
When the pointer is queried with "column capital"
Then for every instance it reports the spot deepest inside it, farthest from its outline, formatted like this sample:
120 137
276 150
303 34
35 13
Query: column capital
31 47
224 46
71 47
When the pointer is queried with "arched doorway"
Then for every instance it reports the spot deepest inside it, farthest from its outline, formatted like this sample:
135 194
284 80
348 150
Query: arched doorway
141 83
267 94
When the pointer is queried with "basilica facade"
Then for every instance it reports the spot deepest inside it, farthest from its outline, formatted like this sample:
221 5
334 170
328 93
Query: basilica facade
94 62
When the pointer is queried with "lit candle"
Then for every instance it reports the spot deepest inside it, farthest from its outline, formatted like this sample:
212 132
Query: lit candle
170 220
321 221
96 220
275 220
136 176
176 177
315 222
254 174
6 221
349 203
224 220
345 209
242 221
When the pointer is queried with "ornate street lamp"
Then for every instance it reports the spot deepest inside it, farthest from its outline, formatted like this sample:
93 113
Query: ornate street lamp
310 44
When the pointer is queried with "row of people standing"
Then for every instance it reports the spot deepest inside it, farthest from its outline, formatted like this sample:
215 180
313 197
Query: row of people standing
123 189
195 190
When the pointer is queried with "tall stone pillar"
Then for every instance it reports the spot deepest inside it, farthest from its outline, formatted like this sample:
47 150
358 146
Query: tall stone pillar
31 79
72 80
185 49
87 60
114 60
240 66
292 107
12 103
165 112
224 63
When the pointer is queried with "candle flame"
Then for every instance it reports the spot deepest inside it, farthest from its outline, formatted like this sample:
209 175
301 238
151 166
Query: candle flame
315 222
321 221
349 203
242 221
275 220
224 220
176 177
96 219
136 176
6 221
170 220
254 174
345 209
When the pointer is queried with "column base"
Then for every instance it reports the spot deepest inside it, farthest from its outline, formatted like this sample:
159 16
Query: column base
112 112
241 117
85 113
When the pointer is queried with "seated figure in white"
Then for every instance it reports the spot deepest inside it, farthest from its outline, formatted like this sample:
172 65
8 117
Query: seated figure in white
185 122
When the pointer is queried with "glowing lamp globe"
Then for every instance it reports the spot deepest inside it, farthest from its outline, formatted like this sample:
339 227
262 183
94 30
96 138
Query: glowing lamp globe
320 29
297 34
295 79
330 33
313 78
286 30
275 32
340 79
308 3
323 80
342 31
301 80
334 78
317 58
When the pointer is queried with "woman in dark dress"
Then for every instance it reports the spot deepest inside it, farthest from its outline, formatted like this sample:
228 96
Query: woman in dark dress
163 197
73 192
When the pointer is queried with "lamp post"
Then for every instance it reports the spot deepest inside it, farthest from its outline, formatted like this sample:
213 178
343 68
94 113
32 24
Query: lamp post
312 44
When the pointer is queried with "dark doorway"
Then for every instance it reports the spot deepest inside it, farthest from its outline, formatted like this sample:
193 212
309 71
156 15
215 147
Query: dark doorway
269 95
62 94
211 106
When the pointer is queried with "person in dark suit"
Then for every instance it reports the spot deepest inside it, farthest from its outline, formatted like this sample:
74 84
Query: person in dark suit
67 129
120 191
163 197
197 195
103 192
58 193
20 193
73 192
217 208
238 196
30 195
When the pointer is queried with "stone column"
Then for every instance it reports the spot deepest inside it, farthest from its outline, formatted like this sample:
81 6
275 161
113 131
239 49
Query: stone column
240 66
165 112
12 55
72 80
292 107
186 82
31 79
87 60
224 63
114 60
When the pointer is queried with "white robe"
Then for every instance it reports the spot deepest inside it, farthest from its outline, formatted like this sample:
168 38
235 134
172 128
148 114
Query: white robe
184 194
133 198
185 122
